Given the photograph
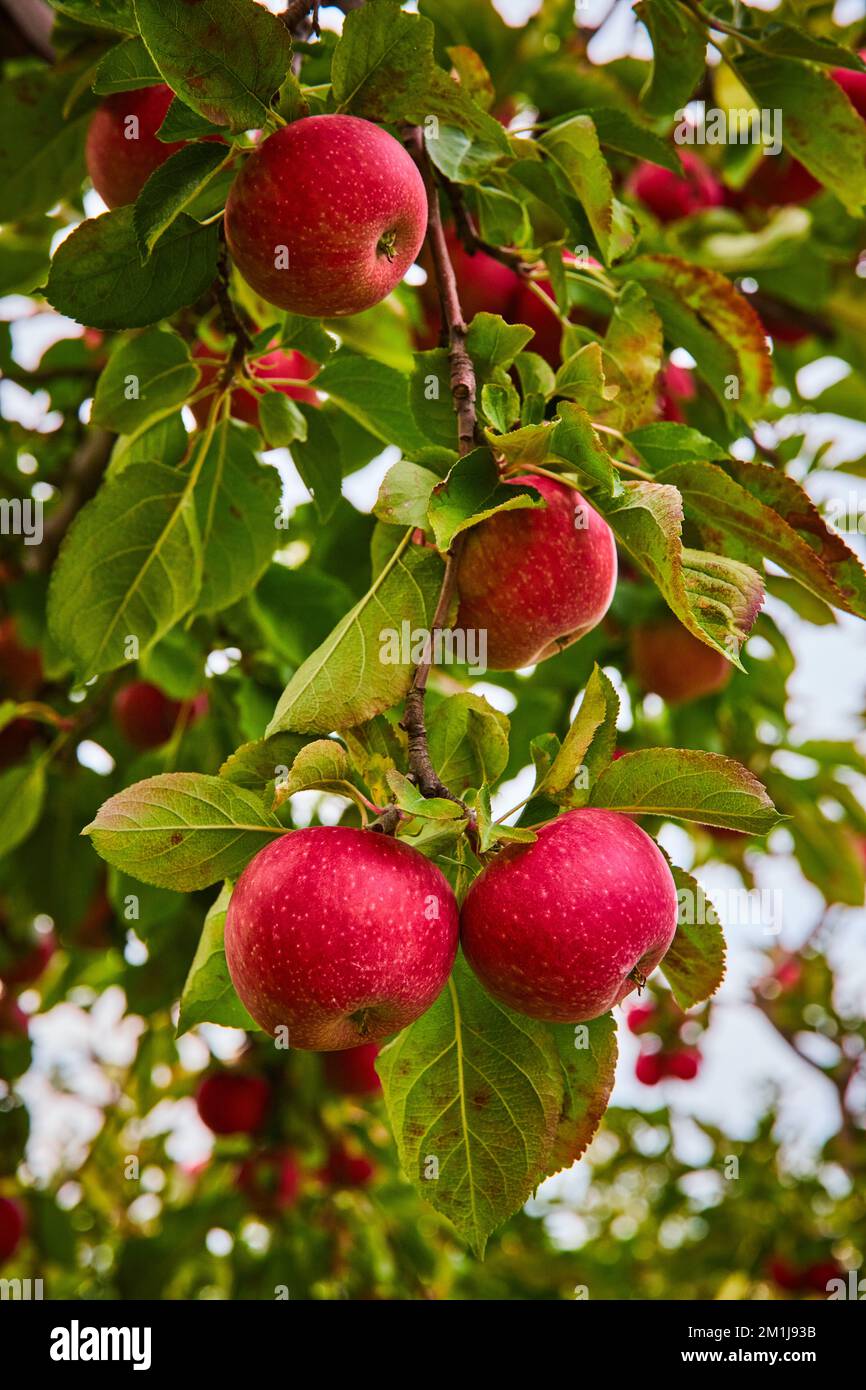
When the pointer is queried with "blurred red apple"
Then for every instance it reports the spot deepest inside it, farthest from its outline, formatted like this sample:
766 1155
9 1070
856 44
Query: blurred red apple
122 150
535 580
25 968
558 929
677 385
669 661
146 716
354 1071
20 666
670 196
233 1102
270 1181
649 1068
12 1227
684 1065
245 401
640 1018
345 1169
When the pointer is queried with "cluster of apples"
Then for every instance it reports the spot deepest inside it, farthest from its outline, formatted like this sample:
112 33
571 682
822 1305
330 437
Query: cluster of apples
660 1022
343 936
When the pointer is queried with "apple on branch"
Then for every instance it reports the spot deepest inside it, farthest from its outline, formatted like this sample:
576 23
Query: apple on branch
341 936
536 579
233 1102
564 928
122 148
668 660
326 216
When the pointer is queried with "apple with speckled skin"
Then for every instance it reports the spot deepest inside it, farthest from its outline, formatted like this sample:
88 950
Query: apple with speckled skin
564 928
342 936
122 149
669 661
536 579
326 216
12 1227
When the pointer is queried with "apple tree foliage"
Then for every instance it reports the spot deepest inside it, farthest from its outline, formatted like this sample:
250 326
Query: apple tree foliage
178 537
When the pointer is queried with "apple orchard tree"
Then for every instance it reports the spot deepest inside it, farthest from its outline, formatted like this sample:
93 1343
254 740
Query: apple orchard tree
570 314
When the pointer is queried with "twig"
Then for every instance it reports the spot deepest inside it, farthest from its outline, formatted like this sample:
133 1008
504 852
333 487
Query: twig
34 20
462 376
297 10
231 322
85 474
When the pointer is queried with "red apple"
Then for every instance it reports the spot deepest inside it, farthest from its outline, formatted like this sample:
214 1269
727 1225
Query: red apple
244 401
25 968
122 150
640 1018
677 385
233 1102
146 716
535 580
345 1169
669 661
354 1071
14 1022
326 216
817 1276
670 196
649 1068
529 309
785 1274
12 1227
20 666
554 929
271 1181
684 1065
341 936
16 738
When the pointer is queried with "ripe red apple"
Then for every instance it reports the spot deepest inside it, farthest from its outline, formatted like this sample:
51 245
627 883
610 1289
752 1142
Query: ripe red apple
20 666
684 1064
244 401
271 1181
12 1227
122 150
326 216
640 1018
233 1102
853 84
649 1068
677 385
26 968
670 196
554 929
669 661
342 936
535 580
146 716
354 1071
345 1169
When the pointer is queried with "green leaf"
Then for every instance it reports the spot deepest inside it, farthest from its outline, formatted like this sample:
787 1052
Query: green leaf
110 580
237 502
588 745
574 149
404 495
265 760
492 343
180 122
281 420
581 379
468 742
146 376
182 830
715 598
125 68
377 748
501 406
383 69
703 312
474 1093
224 58
787 41
683 784
570 439
97 276
22 795
209 995
694 965
318 460
471 493
375 395
679 55
735 522
632 351
24 257
105 14
41 148
587 1053
820 126
352 675
461 157
322 765
432 403
618 131
171 189
664 443
409 799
